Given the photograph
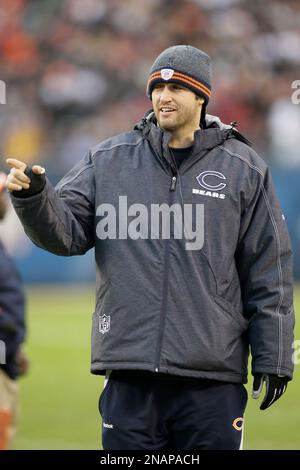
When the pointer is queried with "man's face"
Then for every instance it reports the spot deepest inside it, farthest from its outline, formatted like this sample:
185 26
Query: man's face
175 106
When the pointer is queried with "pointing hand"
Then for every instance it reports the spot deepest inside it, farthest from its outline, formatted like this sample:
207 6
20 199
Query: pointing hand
26 180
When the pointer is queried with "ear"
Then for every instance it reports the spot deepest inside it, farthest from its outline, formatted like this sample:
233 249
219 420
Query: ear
199 99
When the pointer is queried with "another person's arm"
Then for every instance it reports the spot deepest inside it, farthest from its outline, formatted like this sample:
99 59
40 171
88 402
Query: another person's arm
12 316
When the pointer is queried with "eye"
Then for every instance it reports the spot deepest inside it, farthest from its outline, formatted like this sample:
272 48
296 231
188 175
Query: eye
177 87
158 86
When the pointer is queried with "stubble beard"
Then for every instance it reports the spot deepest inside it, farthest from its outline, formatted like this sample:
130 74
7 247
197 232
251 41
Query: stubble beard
170 126
180 123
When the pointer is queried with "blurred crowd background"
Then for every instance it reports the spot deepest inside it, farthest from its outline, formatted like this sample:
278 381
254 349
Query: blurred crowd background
76 72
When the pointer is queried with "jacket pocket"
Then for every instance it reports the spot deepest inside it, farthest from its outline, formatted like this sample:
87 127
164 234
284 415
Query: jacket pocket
230 311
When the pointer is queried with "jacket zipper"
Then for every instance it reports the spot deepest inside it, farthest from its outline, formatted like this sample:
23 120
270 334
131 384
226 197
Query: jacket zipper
165 282
165 289
172 188
173 183
173 170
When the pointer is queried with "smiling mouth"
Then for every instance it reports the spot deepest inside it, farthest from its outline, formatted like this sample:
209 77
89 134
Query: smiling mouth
166 111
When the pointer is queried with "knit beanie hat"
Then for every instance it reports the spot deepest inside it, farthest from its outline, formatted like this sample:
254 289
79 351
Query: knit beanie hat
186 65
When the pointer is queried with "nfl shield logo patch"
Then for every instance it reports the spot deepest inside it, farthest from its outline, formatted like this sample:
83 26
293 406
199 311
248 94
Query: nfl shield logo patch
104 324
166 74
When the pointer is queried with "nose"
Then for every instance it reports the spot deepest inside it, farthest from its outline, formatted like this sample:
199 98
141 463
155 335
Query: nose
165 95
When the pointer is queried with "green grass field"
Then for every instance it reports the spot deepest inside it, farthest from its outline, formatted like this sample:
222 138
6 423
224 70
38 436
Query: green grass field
59 397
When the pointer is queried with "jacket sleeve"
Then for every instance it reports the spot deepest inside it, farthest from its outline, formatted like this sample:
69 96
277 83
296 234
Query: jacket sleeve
61 219
12 304
264 263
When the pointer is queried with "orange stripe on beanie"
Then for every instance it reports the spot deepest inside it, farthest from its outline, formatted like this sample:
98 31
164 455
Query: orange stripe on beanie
187 81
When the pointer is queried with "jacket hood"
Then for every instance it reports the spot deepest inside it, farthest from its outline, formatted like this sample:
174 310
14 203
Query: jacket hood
214 133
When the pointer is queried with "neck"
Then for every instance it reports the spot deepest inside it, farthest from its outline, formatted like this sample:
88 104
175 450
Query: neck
182 139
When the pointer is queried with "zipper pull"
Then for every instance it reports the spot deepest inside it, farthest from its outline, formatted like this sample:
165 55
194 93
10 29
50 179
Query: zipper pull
173 183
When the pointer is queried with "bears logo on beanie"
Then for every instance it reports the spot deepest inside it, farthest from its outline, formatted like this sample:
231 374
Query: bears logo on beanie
186 65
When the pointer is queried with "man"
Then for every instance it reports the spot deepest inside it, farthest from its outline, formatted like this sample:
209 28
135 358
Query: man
13 362
193 265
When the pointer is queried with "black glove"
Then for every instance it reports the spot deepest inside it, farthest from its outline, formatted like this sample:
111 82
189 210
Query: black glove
36 185
275 387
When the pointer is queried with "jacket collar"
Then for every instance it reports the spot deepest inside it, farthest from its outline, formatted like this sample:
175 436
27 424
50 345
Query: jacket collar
214 134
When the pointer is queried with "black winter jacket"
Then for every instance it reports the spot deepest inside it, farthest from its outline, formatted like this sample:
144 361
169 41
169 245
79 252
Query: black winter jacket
159 305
